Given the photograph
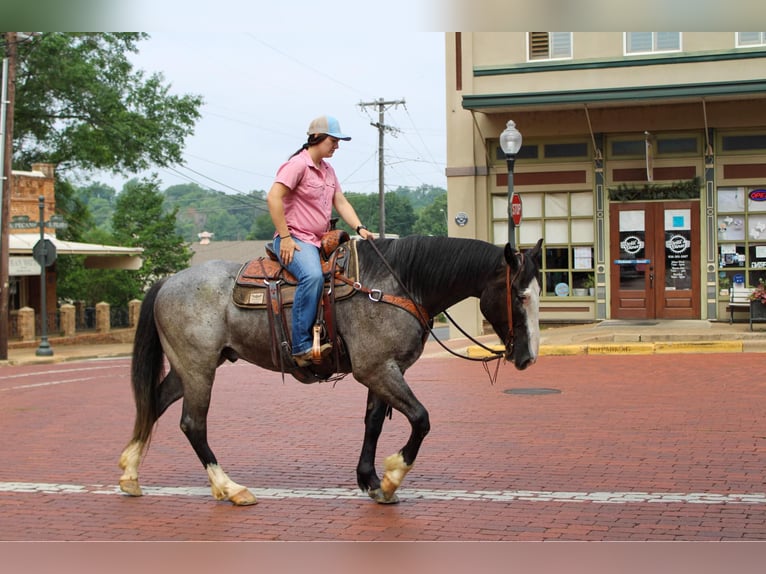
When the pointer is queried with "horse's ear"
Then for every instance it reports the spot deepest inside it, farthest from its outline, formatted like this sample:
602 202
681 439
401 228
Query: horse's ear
536 253
512 257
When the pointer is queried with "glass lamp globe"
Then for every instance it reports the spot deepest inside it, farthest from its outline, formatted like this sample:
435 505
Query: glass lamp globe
510 139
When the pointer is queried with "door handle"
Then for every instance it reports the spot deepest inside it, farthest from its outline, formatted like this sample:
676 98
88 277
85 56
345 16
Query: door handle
651 277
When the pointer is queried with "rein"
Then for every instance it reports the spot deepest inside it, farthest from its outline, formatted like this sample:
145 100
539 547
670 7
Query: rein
497 355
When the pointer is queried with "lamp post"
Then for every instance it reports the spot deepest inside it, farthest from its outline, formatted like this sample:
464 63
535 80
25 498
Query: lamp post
510 142
44 350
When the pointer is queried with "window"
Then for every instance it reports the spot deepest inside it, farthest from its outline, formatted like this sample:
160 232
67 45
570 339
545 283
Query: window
565 219
748 39
652 42
574 150
743 142
741 222
550 45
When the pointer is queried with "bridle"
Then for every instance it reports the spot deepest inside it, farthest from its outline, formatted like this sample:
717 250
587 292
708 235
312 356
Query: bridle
494 354
509 300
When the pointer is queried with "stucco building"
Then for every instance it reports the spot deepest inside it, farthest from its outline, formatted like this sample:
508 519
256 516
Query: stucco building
643 164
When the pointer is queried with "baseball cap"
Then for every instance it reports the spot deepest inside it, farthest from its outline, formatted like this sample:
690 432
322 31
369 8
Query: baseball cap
327 125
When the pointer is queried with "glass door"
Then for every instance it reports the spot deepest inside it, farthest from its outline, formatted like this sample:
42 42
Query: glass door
654 270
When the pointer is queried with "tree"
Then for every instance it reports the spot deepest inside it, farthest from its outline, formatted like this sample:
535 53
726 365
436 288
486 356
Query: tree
80 105
432 219
400 217
77 283
140 221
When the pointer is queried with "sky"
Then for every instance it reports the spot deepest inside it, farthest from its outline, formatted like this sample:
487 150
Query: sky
261 91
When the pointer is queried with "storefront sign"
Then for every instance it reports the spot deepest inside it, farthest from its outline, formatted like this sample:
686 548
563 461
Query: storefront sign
18 266
757 195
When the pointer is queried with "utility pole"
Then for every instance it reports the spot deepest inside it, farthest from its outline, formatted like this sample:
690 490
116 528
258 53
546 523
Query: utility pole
9 95
382 106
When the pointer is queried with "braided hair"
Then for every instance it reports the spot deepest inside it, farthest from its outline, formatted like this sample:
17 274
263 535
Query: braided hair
314 139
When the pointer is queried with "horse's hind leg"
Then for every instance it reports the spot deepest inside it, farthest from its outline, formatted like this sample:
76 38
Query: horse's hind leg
194 426
374 417
169 391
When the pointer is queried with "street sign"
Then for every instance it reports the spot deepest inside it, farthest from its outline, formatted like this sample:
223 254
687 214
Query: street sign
22 222
516 209
56 222
44 252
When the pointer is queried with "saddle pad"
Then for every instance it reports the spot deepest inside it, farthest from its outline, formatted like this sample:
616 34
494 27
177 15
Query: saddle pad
251 283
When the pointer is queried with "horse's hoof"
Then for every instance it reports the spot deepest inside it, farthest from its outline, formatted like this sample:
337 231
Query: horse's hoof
130 486
380 497
243 498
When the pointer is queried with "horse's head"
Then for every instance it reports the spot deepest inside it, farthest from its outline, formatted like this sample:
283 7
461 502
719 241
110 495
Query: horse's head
520 332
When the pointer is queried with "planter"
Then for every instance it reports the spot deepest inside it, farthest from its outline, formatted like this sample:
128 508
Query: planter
758 310
577 292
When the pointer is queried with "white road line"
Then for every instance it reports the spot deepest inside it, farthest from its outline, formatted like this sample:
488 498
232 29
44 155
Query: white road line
48 384
4 377
405 493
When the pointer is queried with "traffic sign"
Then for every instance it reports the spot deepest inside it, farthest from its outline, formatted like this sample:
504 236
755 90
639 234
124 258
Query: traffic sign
516 208
44 252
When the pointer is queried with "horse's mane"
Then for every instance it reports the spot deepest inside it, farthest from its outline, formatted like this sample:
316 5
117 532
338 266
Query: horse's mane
426 263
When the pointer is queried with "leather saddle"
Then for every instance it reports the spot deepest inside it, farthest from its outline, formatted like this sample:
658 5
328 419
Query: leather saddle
338 258
263 283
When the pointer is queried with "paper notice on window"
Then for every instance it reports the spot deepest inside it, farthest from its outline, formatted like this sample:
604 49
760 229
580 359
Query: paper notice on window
583 258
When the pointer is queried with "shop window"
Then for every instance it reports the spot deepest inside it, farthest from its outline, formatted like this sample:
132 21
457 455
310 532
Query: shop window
565 150
565 220
678 146
534 151
628 148
741 218
743 142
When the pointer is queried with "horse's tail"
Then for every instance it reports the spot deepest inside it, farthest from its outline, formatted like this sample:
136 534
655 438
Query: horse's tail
147 367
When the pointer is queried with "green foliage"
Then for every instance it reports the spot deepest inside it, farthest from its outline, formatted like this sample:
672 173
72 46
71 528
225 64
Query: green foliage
76 283
400 215
689 189
80 104
232 217
432 219
140 221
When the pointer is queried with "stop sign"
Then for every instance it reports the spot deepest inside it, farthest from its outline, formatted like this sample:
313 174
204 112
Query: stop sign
44 252
516 208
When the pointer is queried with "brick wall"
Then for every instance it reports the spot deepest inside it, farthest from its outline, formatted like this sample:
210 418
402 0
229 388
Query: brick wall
26 189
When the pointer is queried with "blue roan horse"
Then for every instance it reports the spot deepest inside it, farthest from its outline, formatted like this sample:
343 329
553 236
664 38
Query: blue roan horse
190 319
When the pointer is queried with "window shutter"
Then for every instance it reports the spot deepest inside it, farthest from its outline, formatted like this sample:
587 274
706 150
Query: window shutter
538 45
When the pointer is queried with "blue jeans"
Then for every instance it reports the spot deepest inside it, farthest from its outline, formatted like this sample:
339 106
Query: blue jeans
307 269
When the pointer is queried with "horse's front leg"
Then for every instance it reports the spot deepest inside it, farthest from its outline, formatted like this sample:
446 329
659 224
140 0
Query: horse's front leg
399 396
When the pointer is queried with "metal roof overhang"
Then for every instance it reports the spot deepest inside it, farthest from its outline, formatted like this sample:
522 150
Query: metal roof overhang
98 256
615 97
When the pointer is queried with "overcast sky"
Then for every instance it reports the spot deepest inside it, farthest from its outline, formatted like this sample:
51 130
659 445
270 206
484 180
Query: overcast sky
262 90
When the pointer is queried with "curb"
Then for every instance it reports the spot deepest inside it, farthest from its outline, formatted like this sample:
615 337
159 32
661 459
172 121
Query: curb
657 348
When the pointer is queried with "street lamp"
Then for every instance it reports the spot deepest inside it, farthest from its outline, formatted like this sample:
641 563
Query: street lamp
510 141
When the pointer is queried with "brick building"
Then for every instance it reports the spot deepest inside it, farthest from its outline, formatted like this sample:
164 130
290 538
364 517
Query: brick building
24 232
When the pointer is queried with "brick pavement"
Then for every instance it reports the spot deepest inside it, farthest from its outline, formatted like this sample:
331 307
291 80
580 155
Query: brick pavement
659 447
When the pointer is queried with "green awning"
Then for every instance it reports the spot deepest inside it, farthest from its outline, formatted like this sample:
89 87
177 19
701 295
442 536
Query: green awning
625 95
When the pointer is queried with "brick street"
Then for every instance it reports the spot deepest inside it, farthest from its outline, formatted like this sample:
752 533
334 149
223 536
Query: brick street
657 447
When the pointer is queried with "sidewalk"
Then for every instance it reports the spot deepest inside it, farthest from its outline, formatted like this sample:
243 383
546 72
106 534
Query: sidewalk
605 337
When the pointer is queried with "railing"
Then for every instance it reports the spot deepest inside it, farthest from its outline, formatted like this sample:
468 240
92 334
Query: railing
53 324
69 320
